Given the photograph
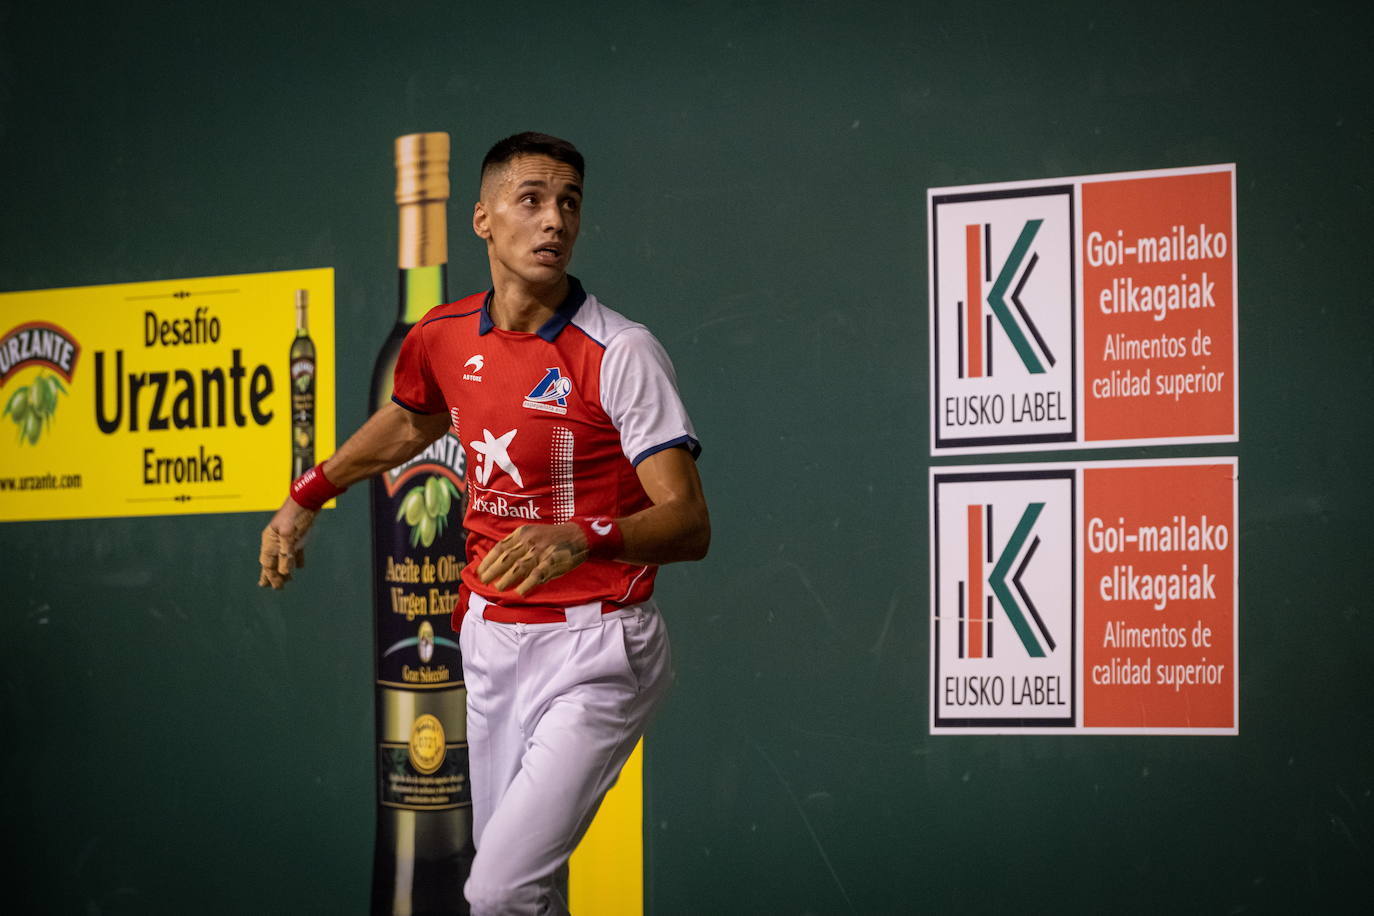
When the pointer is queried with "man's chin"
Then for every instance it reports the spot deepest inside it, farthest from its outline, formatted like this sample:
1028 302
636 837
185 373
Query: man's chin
544 276
536 276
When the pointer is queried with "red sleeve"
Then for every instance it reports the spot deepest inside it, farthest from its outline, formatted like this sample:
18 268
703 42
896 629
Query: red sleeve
414 386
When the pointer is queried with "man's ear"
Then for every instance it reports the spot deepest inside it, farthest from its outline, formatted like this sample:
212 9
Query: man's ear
481 225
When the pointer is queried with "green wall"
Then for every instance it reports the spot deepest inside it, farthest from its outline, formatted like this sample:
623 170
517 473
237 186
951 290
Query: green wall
176 740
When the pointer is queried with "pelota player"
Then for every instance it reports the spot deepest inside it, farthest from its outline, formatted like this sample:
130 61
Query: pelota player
581 481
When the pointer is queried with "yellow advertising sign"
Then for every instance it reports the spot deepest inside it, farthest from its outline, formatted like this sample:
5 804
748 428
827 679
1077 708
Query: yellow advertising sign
173 397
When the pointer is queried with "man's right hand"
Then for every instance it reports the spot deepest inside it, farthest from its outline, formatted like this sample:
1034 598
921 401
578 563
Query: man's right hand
390 436
283 544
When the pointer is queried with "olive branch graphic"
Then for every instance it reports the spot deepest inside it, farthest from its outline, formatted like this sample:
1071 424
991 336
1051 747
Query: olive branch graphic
31 407
425 508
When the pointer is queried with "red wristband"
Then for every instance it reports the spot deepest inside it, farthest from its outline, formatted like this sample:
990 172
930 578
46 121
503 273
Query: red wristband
604 540
312 489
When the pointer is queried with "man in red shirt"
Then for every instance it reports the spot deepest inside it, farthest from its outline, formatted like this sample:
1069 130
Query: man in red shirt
581 481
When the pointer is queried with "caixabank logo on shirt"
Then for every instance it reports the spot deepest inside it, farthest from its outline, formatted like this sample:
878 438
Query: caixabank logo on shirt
1003 636
493 469
1003 339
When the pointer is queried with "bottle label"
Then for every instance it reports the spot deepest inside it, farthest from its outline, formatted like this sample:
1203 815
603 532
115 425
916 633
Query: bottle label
444 457
302 414
303 374
430 779
417 516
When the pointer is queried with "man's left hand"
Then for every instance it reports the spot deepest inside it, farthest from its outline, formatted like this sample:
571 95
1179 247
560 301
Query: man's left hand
532 555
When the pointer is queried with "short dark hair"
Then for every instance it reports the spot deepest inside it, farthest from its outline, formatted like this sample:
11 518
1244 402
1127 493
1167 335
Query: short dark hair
533 144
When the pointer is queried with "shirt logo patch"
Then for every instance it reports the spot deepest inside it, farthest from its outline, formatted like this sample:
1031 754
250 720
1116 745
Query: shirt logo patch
495 451
551 394
475 363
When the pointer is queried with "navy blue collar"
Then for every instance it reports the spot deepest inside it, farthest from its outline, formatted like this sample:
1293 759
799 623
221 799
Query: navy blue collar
555 325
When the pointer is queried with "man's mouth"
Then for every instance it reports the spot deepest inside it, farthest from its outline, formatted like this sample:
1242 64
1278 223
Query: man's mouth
548 252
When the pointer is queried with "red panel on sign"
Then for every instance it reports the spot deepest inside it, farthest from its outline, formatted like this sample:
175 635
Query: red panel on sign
1159 307
1159 603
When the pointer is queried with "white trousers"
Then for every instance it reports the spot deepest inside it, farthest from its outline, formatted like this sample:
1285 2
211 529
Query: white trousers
554 710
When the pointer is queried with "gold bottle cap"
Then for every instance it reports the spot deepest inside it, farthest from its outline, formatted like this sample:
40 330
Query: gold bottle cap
422 198
421 168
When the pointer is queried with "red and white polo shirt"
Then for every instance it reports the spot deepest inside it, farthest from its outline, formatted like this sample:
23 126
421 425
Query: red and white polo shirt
552 425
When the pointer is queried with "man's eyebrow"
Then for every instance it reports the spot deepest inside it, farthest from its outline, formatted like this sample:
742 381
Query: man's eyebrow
541 183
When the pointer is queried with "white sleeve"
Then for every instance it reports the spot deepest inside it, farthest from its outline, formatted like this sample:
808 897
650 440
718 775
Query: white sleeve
639 394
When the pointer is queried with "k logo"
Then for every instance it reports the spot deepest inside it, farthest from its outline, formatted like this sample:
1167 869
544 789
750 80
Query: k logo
1018 551
1003 317
1017 267
1004 611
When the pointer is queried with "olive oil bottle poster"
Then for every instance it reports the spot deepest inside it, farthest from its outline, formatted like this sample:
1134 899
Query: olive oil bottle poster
172 397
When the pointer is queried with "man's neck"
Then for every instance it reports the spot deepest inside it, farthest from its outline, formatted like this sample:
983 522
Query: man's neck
517 306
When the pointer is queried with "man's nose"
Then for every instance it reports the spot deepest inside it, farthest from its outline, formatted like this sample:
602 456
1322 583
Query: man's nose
553 218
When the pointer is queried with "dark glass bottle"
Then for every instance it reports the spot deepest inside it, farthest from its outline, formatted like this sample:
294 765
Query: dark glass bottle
302 392
424 811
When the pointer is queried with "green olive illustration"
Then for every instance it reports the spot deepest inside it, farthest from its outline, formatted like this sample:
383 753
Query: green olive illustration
47 394
18 404
427 530
31 407
406 509
415 506
425 508
437 498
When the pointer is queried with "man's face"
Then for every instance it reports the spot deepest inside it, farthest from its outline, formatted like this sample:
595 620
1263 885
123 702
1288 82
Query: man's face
530 213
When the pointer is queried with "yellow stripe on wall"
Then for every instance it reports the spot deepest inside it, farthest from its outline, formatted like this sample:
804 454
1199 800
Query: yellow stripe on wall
606 873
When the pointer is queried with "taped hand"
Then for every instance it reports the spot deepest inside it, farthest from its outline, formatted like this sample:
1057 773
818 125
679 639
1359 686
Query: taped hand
283 544
532 555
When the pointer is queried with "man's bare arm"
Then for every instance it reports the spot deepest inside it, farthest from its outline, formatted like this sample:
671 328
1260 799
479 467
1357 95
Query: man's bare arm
675 528
390 436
